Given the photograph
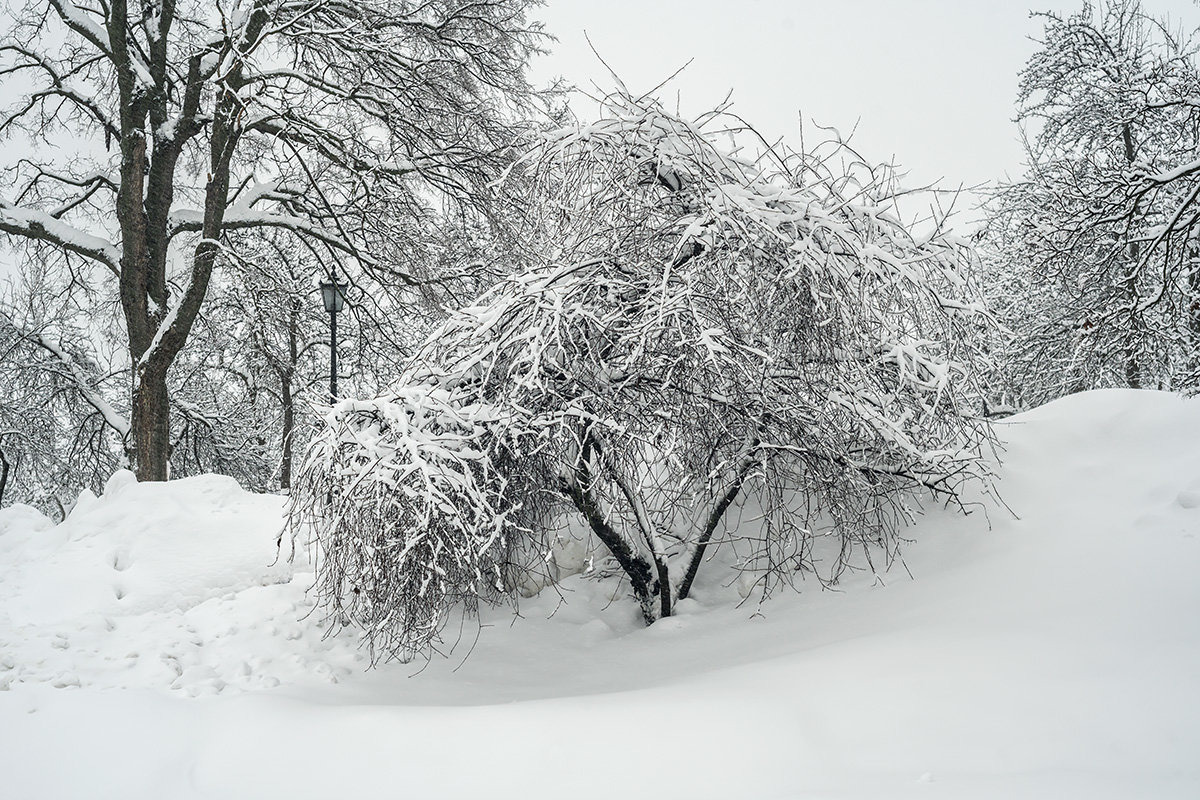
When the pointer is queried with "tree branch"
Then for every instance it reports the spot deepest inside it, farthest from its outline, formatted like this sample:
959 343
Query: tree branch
38 225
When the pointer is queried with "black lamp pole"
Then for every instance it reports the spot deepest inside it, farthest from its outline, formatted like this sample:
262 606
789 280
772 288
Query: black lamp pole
334 297
332 356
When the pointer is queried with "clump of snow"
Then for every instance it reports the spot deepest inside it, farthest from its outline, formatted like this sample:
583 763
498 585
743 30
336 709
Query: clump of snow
1048 654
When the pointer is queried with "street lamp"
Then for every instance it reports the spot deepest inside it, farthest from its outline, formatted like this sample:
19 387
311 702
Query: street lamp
333 295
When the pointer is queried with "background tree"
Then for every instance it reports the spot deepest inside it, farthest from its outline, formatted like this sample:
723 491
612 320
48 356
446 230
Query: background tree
264 341
691 333
1093 253
59 428
311 117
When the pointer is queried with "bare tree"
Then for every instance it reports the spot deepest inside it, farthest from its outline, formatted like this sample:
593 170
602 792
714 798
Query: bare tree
60 427
235 116
1094 252
692 332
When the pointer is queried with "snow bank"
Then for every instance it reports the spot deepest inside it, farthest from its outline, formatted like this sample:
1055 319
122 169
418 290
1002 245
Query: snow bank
141 548
1048 654
166 586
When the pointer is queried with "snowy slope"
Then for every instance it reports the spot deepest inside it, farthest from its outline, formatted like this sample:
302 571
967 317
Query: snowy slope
152 647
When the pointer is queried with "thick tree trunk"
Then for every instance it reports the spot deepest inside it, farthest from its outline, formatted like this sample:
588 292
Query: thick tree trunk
577 486
151 426
144 199
664 587
634 566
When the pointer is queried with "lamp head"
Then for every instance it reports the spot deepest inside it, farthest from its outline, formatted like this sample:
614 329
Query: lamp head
333 295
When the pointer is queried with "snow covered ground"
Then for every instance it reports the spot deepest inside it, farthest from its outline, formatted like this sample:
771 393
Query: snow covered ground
152 646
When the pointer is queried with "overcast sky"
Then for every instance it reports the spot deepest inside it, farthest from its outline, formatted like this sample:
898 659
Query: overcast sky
930 82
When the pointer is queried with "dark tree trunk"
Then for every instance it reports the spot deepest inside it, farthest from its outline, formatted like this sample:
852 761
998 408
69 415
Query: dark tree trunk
151 425
3 476
156 336
650 581
578 488
715 515
664 587
286 398
1133 378
289 424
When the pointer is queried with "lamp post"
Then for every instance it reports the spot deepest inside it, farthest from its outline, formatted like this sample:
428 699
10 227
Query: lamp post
333 295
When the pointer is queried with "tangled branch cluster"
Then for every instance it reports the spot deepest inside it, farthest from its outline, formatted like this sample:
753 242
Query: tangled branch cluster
420 506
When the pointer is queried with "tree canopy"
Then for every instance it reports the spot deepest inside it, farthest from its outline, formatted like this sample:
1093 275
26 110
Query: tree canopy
691 330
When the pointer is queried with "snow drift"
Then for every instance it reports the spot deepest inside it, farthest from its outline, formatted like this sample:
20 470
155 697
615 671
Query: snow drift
153 645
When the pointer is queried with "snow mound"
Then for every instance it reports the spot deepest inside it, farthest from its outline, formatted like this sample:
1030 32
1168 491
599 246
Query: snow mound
1049 652
175 585
139 548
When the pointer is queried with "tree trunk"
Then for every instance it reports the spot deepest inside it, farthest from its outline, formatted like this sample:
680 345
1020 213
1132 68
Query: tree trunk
576 485
289 424
151 426
1133 377
3 476
1193 308
664 586
156 334
286 399
715 515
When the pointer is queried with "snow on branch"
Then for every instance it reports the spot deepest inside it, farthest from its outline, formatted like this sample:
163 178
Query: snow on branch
75 373
439 491
35 224
82 22
240 217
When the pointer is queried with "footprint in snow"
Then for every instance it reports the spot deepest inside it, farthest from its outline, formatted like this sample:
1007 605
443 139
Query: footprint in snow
120 560
66 681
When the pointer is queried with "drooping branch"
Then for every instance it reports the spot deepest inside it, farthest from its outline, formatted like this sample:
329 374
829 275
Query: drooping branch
84 386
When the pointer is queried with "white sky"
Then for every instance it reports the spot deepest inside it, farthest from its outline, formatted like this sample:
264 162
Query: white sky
931 83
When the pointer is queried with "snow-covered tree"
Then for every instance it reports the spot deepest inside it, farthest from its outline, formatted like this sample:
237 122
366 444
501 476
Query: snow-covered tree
1093 253
185 124
60 431
692 331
